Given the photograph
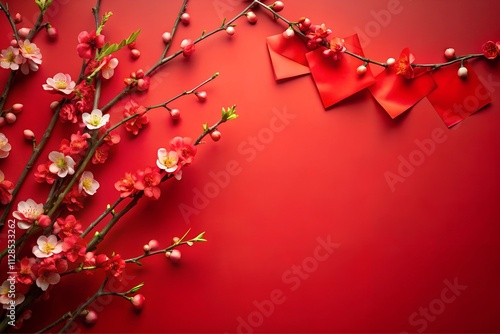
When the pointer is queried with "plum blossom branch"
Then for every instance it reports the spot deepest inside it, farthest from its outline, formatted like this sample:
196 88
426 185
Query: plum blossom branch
366 60
99 236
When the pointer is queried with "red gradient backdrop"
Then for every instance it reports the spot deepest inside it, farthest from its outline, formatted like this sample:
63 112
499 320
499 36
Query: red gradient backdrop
304 232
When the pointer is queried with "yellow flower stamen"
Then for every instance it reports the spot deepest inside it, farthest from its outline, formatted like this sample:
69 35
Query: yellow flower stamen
95 120
48 248
60 84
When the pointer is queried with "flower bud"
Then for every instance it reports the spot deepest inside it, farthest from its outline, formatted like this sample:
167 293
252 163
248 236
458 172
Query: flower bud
175 113
202 96
449 53
146 248
138 301
251 17
131 46
10 118
230 31
143 84
462 72
17 108
185 18
2 121
101 260
175 240
174 255
18 18
153 244
304 23
139 74
91 317
391 61
361 70
289 33
54 105
23 32
215 135
166 37
129 81
28 135
135 53
52 33
278 6
44 220
14 43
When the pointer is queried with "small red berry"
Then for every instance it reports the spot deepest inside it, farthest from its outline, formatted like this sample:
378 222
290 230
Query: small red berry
215 135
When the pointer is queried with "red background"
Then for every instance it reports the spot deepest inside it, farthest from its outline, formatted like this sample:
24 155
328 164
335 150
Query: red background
321 175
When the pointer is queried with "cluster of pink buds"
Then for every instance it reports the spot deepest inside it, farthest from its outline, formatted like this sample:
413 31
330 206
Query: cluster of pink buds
134 52
138 79
9 115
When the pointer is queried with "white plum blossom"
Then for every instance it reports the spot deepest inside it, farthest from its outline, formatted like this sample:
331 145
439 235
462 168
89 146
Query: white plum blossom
95 120
88 183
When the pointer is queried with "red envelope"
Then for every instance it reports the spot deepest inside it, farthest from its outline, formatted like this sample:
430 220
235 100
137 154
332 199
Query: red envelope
396 94
338 79
288 56
457 98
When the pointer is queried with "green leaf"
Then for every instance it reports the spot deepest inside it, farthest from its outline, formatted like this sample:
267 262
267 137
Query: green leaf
136 288
108 49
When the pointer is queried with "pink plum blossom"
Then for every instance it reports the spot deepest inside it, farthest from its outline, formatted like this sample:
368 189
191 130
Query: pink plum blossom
5 147
32 55
109 66
62 165
27 213
11 59
47 246
60 83
88 183
5 291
